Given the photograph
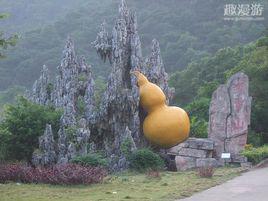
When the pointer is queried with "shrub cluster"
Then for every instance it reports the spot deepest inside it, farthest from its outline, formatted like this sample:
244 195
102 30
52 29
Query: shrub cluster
21 127
144 159
96 160
256 155
58 174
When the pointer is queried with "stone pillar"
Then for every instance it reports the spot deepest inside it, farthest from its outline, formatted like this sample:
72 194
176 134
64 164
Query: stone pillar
229 117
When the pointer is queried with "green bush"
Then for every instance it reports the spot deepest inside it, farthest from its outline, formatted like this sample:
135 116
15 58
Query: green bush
144 159
21 126
254 138
256 155
199 127
96 160
126 147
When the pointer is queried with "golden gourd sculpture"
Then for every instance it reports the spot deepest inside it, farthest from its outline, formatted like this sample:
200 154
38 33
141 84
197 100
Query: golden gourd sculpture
165 126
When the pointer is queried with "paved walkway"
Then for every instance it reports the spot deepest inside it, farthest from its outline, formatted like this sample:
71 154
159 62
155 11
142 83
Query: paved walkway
250 186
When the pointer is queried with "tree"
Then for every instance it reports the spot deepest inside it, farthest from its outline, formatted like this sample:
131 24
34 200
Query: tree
5 42
23 123
255 65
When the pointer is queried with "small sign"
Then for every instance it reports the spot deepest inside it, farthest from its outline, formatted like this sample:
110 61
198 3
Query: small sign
225 155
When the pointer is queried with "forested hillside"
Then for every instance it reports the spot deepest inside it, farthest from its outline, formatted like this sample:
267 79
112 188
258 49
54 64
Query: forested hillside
187 31
31 14
195 85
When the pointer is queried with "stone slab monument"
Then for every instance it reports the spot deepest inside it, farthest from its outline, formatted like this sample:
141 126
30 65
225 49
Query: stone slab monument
229 118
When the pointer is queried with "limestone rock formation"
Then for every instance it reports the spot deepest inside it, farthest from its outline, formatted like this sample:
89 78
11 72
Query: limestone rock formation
229 117
155 70
46 155
118 117
73 82
42 89
73 91
73 141
119 106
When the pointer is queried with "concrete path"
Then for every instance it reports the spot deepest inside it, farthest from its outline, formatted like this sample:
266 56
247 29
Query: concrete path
250 186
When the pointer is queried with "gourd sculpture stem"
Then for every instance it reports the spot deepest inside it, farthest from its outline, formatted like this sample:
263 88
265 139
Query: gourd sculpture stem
165 126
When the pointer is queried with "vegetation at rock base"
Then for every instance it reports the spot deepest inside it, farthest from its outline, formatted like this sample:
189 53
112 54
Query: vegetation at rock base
21 126
256 155
144 159
92 159
123 186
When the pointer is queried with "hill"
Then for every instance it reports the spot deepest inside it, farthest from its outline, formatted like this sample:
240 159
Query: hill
187 31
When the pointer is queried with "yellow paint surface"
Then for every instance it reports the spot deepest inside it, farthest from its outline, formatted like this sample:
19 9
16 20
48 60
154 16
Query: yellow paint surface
164 125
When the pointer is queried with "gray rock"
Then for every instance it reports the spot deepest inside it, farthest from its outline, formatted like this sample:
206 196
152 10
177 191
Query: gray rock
200 143
46 155
42 89
206 162
62 146
155 70
119 106
197 153
176 149
118 117
185 163
82 138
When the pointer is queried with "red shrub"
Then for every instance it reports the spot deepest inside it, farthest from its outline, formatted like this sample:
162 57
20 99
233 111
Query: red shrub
57 174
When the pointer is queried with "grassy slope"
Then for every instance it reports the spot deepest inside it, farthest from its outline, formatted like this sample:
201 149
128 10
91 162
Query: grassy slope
172 185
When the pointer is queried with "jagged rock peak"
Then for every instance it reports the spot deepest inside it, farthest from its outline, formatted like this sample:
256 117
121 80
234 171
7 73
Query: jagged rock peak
83 66
41 91
46 155
102 44
69 53
123 9
155 70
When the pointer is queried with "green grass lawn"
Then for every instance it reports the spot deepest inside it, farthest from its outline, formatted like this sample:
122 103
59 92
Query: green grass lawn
125 186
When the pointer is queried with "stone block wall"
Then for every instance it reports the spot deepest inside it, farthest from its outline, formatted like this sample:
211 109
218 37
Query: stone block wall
193 153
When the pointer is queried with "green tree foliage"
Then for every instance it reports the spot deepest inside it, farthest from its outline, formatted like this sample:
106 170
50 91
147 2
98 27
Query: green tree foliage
94 159
145 159
198 112
5 42
32 14
23 123
9 95
195 84
256 155
255 65
187 31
